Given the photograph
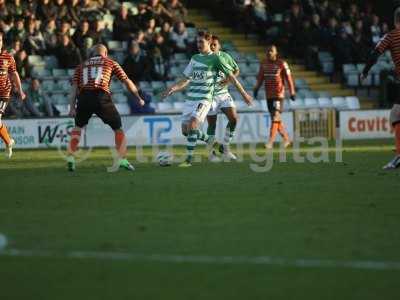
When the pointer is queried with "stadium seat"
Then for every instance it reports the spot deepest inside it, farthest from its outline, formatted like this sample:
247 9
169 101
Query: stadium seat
123 108
63 109
360 67
328 67
353 103
62 86
41 72
367 81
178 106
164 107
70 72
339 103
117 87
300 83
298 104
36 60
352 79
51 61
263 105
180 57
119 98
347 68
59 73
59 99
325 102
48 85
323 94
115 46
311 103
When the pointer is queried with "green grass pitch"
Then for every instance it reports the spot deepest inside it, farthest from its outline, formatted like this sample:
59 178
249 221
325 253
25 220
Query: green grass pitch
214 231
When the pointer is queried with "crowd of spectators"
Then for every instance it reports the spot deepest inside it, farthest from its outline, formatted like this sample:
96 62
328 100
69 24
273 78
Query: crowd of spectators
303 27
153 31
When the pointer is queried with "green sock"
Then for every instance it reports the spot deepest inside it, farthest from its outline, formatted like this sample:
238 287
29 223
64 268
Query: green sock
191 144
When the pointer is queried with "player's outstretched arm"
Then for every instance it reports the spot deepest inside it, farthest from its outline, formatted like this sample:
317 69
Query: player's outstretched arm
72 100
133 89
179 86
16 80
246 97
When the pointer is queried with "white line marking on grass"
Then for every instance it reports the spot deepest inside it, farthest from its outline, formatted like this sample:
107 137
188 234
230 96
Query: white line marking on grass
213 260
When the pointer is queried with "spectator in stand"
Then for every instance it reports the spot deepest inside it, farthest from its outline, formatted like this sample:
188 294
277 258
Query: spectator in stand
34 43
67 54
259 11
137 109
50 35
142 17
360 48
91 9
61 9
136 64
375 30
6 25
16 8
22 64
37 103
46 11
15 47
73 12
342 50
385 29
81 34
353 14
64 29
140 38
98 33
179 38
30 8
159 55
150 29
17 32
85 51
122 28
166 31
160 13
329 33
4 12
177 11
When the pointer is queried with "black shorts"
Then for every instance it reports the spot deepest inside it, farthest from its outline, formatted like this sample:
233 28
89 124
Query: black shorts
275 105
97 102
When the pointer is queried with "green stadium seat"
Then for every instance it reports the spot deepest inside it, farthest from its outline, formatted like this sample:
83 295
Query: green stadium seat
36 60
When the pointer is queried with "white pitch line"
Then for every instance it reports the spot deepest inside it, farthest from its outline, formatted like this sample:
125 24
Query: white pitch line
212 260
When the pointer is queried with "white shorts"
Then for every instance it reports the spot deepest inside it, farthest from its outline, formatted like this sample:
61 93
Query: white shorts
195 109
221 101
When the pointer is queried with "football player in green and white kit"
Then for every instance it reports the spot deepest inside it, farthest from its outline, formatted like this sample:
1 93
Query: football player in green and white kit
201 76
223 102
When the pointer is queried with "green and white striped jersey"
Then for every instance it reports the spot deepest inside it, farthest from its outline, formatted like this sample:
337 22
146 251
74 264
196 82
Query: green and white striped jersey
202 71
219 89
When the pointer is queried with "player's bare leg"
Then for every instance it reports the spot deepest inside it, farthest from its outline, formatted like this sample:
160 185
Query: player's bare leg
4 135
73 147
277 127
395 162
225 148
121 147
212 124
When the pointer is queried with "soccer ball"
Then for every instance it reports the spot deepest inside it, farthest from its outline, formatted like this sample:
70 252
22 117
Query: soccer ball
164 159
